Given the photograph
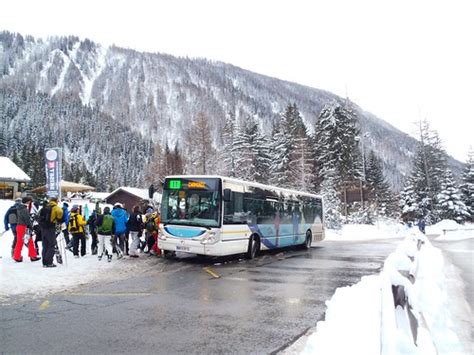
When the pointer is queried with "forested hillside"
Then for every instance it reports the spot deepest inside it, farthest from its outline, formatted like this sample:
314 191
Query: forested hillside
112 108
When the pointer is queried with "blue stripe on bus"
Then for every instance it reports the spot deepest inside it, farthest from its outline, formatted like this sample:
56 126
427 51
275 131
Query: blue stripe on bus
184 232
288 234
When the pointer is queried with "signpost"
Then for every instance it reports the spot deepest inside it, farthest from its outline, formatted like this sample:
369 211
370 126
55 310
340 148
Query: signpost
53 172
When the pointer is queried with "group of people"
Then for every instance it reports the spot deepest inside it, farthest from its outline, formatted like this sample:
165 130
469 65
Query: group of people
110 230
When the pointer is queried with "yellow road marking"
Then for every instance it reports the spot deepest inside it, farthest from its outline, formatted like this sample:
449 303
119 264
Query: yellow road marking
210 272
117 294
44 305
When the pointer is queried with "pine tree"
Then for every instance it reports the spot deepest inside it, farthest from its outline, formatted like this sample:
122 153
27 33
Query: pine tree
301 156
244 151
332 202
467 187
336 146
429 164
281 156
229 153
201 154
336 143
450 205
3 144
177 167
155 171
409 203
251 152
384 199
263 159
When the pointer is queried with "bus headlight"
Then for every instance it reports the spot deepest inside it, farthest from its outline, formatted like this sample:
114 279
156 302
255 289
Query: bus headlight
161 236
210 238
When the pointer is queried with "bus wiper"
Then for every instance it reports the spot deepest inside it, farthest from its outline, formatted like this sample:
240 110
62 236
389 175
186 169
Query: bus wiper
171 221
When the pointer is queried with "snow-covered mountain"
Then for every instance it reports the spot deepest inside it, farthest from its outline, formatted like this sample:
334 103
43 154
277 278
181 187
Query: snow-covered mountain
156 95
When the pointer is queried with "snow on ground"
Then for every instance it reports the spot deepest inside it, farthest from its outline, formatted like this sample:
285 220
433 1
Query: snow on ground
361 319
30 278
384 229
450 230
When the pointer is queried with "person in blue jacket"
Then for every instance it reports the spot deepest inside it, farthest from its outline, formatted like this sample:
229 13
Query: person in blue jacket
422 225
64 224
120 221
10 220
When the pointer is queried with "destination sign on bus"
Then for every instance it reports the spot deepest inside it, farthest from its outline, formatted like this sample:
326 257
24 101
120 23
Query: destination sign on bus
196 185
180 184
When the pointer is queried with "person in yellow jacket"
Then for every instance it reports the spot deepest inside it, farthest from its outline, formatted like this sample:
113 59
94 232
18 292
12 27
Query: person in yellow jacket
49 217
76 228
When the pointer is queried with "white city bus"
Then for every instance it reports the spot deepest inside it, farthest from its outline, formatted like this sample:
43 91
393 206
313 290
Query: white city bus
214 215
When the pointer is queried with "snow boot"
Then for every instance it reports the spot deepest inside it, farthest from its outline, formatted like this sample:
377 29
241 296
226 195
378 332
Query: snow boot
109 258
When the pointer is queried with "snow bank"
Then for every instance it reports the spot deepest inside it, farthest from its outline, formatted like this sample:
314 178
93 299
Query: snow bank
384 229
451 230
361 319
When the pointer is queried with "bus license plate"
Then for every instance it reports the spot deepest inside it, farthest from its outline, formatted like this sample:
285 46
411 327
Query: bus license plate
182 248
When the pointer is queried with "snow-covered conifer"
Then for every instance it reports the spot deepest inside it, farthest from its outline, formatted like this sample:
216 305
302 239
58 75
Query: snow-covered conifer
409 202
467 186
383 197
281 147
228 151
336 143
332 202
450 205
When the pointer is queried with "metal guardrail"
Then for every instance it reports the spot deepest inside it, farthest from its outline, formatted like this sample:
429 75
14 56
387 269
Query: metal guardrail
456 230
400 297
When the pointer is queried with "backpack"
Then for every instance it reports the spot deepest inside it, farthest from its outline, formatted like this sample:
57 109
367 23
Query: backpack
73 227
107 224
44 218
150 225
12 218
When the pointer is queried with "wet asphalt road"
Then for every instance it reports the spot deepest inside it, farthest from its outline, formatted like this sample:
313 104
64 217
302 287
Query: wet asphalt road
193 305
461 254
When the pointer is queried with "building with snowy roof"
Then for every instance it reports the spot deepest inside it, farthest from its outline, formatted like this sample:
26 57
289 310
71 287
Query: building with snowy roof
12 179
131 196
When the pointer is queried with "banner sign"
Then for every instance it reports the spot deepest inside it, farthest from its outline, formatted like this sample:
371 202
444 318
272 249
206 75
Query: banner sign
53 172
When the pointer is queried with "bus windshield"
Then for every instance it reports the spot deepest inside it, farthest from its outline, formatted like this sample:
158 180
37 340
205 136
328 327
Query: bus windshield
193 202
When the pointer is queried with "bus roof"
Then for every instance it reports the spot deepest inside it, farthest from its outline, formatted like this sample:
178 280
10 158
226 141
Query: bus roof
247 183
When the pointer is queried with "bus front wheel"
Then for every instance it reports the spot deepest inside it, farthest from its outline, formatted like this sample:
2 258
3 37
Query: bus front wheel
254 247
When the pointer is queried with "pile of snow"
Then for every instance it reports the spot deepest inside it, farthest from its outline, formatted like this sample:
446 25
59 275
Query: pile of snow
384 229
451 230
361 319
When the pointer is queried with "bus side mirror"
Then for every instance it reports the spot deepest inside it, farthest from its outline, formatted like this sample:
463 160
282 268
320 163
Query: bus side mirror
227 195
151 192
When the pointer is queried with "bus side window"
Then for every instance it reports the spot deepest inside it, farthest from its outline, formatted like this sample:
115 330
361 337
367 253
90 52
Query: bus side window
234 209
318 209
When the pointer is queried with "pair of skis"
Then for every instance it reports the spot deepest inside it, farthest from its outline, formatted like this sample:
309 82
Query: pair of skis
60 249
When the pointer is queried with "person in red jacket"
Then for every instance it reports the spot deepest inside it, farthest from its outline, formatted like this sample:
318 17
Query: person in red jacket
23 223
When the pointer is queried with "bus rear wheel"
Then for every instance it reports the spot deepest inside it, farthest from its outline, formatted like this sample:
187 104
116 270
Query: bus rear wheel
254 247
307 241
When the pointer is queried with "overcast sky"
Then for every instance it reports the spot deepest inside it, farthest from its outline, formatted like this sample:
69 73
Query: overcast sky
401 60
